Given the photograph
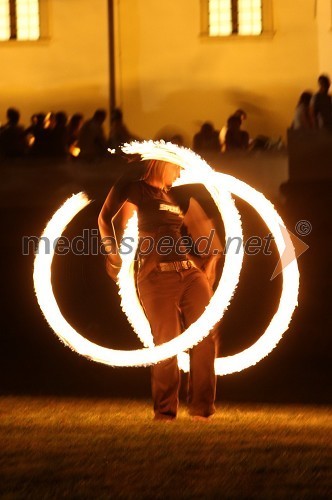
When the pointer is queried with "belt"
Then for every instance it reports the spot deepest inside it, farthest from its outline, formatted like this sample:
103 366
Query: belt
177 265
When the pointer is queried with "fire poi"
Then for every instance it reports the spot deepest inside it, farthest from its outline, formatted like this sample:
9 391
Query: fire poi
220 186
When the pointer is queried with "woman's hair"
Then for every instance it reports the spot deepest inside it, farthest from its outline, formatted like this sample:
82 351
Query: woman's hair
155 171
305 98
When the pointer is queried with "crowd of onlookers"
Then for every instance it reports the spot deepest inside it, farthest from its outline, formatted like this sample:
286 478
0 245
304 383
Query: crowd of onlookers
53 135
313 111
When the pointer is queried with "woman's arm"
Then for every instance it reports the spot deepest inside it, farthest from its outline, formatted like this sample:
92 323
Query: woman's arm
112 221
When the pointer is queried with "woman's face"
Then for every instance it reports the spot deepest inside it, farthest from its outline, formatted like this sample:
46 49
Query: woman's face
172 172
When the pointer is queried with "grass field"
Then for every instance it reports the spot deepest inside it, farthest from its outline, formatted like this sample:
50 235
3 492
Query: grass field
87 448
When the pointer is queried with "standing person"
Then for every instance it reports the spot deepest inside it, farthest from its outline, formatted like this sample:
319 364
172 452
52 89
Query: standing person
29 132
73 130
239 113
236 139
173 291
40 141
12 138
321 105
58 147
119 133
92 141
302 118
207 139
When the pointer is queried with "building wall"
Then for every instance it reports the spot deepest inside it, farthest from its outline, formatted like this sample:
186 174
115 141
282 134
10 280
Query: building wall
324 24
170 79
67 71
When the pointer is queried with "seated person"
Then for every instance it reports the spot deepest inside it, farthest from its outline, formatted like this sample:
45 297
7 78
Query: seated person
222 135
236 139
302 117
207 139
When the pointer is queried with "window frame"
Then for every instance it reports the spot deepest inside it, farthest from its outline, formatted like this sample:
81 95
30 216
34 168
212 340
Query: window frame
43 25
267 24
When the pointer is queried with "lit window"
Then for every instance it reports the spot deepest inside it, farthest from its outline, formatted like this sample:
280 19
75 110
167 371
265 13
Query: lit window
19 20
235 17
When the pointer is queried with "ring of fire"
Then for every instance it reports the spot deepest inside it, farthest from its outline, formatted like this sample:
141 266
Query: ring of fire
290 273
219 186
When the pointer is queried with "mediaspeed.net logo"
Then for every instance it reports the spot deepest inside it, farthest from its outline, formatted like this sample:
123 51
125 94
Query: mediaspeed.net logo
90 243
293 245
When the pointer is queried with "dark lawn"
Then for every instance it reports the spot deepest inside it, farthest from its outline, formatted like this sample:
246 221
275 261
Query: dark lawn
92 448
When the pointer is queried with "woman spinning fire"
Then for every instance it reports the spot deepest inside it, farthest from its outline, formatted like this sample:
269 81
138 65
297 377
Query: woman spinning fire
172 284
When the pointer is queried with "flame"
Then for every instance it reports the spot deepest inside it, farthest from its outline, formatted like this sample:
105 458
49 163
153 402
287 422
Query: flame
219 185
289 294
194 169
74 151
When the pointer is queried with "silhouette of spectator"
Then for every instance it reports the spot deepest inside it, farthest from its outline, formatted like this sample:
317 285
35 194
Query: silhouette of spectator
12 137
92 140
222 136
73 129
33 123
58 136
41 142
241 114
50 121
302 117
207 139
30 131
119 134
177 139
235 137
321 105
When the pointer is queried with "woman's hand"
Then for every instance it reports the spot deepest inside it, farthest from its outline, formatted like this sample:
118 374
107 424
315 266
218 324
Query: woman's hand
113 266
211 267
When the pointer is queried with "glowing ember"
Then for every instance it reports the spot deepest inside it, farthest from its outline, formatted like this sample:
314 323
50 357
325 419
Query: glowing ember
74 151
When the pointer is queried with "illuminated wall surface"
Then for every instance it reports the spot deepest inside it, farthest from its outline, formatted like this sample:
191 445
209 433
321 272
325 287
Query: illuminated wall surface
168 74
66 69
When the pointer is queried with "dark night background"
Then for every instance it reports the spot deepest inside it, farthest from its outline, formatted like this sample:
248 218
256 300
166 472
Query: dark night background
34 361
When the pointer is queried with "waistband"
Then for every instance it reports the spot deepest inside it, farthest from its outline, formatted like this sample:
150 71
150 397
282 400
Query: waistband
177 265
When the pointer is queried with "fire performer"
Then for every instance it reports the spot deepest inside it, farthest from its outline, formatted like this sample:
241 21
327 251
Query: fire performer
174 286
